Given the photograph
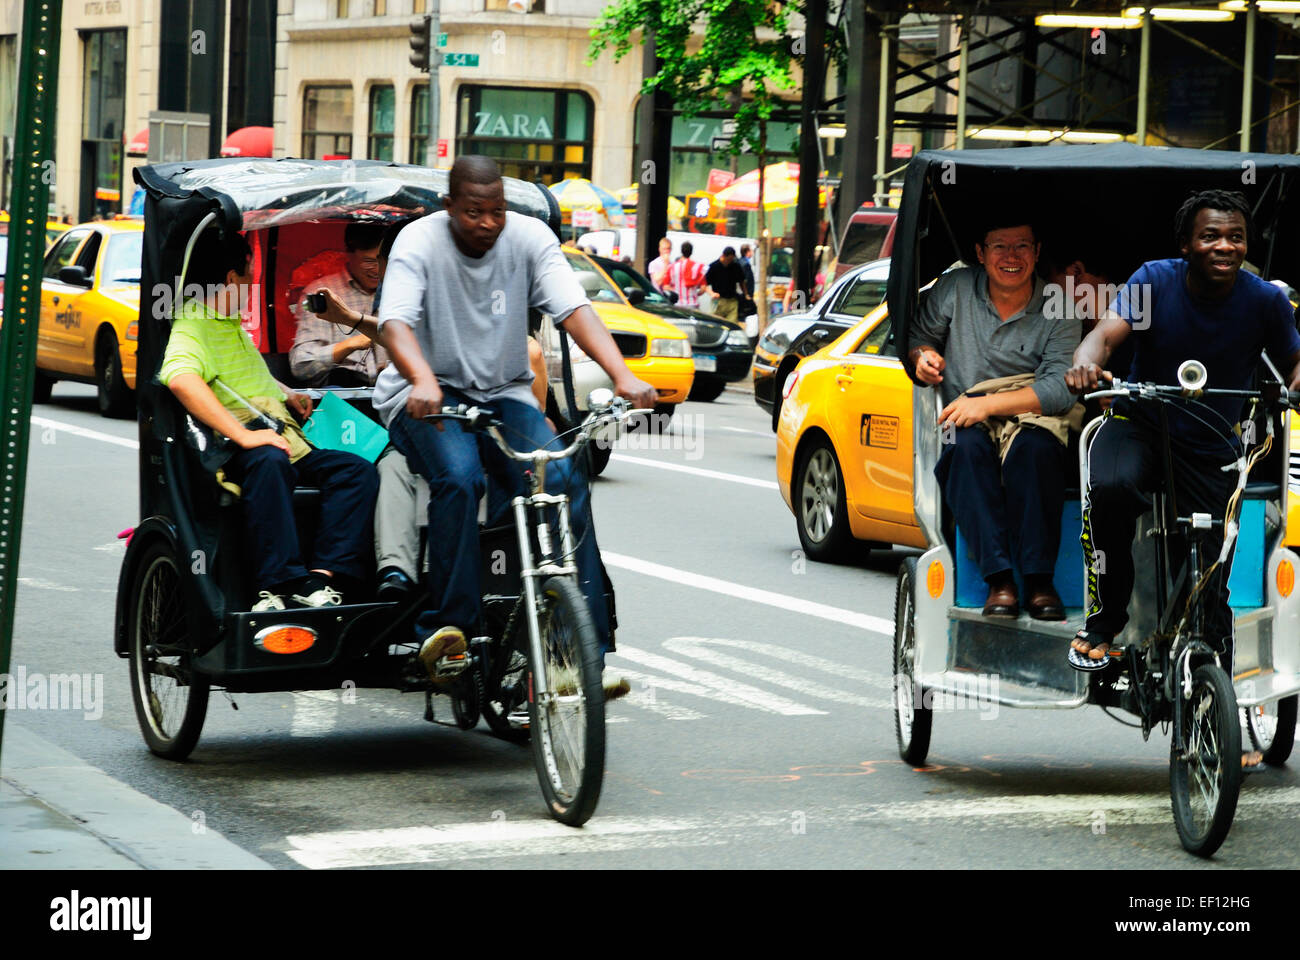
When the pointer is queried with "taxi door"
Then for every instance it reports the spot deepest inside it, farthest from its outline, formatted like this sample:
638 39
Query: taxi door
61 340
871 416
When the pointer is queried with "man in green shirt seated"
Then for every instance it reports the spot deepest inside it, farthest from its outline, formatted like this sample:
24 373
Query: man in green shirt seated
216 371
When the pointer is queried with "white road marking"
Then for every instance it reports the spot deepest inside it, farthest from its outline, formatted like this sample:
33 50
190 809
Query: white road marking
527 838
45 584
315 713
768 598
83 432
695 471
698 648
717 687
757 433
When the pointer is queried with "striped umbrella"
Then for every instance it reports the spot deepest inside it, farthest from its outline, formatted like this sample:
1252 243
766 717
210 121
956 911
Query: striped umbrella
780 189
579 194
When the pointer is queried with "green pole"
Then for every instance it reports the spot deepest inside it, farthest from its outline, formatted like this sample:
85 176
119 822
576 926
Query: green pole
34 135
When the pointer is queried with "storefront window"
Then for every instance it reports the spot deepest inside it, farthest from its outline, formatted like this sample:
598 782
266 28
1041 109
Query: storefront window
327 122
103 115
382 106
534 134
420 125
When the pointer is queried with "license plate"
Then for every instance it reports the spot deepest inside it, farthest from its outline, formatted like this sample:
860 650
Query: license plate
707 364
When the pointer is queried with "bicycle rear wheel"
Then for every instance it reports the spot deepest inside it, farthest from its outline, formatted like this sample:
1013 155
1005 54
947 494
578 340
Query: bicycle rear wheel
568 730
1205 780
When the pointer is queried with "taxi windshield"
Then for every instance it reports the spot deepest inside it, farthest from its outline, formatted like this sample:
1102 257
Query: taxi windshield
122 261
593 282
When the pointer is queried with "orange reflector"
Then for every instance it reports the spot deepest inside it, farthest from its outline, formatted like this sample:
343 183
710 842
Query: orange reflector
934 579
1285 578
285 639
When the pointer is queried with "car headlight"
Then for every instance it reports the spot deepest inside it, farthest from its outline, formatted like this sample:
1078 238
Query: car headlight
737 338
670 348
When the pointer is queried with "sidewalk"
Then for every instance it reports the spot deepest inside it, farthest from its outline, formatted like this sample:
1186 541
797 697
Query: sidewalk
57 812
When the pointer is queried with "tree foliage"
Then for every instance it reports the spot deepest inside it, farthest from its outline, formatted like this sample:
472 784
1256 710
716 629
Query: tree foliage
744 46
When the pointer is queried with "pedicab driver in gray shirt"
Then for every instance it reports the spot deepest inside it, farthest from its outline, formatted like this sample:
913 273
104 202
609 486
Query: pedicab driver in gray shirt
454 318
987 322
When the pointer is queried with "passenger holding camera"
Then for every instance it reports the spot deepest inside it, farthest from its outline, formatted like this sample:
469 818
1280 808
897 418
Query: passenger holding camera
327 351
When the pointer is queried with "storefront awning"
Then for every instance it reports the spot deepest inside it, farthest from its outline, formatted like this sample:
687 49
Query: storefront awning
138 146
249 142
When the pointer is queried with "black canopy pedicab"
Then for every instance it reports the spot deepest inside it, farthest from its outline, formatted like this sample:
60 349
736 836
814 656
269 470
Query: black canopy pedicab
1167 671
533 668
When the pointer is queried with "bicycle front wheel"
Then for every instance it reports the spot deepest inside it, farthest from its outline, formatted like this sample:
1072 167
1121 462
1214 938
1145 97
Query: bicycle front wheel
1205 779
568 728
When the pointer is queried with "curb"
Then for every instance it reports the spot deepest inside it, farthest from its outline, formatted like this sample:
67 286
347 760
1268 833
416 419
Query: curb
148 834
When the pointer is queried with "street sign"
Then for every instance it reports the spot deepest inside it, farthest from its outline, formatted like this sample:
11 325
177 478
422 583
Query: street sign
442 148
721 143
460 60
728 127
442 39
900 150
719 179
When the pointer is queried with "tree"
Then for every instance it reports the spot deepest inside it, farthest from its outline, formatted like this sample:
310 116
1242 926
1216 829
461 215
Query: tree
743 47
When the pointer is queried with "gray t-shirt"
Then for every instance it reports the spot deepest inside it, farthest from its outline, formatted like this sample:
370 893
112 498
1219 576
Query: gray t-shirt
470 315
957 318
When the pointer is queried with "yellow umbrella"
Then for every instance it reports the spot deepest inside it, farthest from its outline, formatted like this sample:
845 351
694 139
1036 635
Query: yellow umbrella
780 189
628 197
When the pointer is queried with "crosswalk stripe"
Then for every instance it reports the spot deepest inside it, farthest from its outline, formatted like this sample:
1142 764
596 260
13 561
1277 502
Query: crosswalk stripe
767 598
528 838
717 687
695 471
83 432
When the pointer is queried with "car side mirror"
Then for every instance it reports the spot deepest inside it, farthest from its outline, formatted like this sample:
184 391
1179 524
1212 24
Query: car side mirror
75 276
672 296
634 295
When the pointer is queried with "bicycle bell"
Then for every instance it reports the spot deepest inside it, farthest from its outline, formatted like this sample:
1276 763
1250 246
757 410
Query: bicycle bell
1192 376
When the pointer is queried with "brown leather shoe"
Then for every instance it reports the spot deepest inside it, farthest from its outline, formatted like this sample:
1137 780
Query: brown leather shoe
1045 603
1002 600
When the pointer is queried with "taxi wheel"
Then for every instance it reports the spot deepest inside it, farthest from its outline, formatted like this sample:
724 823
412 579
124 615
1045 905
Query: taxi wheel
706 391
821 511
41 387
116 399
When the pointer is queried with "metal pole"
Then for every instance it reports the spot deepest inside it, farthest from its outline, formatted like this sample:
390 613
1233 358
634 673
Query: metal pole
1144 78
38 78
1248 77
882 120
435 93
963 68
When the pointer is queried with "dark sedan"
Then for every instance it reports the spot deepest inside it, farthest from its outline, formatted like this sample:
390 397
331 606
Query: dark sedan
721 349
790 338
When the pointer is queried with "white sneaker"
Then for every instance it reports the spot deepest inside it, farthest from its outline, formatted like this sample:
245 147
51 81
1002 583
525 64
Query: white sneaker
325 596
268 601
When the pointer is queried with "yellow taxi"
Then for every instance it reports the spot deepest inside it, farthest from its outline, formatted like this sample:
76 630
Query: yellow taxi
655 350
844 445
90 304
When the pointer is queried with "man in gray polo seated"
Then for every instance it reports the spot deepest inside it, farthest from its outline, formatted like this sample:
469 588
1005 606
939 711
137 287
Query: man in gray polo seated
983 340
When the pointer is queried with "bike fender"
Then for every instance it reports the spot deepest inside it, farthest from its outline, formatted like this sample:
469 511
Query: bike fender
148 532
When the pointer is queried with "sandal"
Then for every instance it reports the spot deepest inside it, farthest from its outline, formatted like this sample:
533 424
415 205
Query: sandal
1083 660
1251 761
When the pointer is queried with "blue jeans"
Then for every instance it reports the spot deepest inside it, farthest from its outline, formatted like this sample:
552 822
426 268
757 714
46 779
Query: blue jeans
454 462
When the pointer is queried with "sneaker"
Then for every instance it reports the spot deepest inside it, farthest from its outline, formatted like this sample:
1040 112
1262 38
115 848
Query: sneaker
614 686
268 601
447 641
316 592
394 584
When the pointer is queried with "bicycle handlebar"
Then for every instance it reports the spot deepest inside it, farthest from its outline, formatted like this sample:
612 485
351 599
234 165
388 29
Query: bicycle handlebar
479 419
1272 393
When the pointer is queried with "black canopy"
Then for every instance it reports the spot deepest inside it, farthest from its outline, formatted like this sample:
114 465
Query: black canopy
1119 199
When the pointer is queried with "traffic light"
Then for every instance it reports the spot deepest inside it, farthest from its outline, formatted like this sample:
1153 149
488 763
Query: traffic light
420 43
699 206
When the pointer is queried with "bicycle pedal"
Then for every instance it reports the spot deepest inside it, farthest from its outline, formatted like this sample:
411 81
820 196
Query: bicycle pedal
451 665
518 719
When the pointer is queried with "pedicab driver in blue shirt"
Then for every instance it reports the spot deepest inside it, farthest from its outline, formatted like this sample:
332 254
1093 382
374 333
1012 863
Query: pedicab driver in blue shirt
1200 306
454 318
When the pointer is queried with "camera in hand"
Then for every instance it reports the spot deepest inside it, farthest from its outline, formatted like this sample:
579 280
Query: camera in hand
316 302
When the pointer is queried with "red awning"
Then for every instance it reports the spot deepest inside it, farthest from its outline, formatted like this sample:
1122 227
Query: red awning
138 146
249 142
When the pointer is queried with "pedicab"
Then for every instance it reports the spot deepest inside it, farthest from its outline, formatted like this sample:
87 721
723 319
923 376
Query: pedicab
183 621
1164 669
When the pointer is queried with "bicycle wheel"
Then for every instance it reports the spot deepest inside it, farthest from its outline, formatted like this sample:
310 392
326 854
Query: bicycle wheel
1272 729
171 699
1205 780
569 730
912 720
